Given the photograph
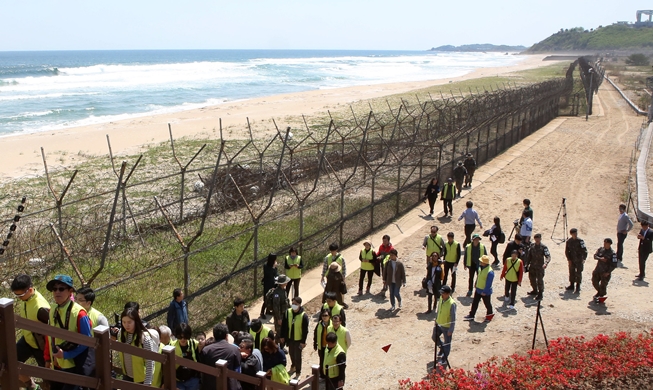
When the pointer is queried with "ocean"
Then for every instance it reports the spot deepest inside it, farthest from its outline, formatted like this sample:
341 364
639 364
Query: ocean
42 91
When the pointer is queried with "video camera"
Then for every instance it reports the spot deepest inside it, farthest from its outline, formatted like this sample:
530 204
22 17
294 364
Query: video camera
115 329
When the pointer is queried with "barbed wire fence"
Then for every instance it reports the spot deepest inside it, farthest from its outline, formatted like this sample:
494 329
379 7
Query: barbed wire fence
205 216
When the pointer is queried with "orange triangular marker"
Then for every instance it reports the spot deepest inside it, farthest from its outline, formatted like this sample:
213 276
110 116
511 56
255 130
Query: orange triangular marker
386 348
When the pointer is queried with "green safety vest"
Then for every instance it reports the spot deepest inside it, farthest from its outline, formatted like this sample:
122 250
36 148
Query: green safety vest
298 325
329 366
512 274
94 316
433 245
448 190
342 336
29 309
369 256
452 254
482 277
444 313
138 363
335 310
468 254
157 377
385 260
263 334
330 259
320 329
294 273
72 326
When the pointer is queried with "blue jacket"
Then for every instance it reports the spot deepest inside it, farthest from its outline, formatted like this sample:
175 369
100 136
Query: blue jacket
177 314
488 282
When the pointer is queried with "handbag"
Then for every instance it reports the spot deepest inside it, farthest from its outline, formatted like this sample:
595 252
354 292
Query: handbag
425 283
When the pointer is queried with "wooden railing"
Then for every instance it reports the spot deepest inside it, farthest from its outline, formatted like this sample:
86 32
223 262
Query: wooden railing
11 368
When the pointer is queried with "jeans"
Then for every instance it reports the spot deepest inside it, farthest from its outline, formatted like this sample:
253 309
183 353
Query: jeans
190 384
394 292
486 301
621 237
294 282
445 347
361 279
511 290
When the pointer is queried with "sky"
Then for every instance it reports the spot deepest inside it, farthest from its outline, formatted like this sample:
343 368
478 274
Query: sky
295 24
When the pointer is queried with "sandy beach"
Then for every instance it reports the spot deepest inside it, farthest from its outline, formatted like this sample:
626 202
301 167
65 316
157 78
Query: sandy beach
21 154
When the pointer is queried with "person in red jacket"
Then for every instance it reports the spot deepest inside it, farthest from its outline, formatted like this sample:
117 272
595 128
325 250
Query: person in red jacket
513 272
384 250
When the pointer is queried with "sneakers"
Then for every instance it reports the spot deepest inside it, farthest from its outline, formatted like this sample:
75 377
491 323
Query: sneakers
506 299
511 307
469 293
570 287
468 318
532 292
538 297
400 305
392 308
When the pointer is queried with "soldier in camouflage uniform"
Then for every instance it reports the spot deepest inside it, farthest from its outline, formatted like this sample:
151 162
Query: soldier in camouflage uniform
277 299
537 259
576 254
606 263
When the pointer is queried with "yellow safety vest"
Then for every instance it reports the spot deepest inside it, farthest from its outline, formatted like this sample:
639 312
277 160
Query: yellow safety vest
94 316
320 328
263 334
512 274
72 326
452 253
138 363
342 336
330 259
385 260
433 244
482 277
294 273
468 254
157 377
369 256
444 313
298 325
448 190
336 308
29 309
330 367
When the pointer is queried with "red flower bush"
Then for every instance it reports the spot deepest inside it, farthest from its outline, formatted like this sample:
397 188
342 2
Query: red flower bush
570 363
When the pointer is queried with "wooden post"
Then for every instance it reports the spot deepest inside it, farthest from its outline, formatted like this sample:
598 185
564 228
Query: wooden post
264 380
102 357
315 369
169 368
8 354
222 381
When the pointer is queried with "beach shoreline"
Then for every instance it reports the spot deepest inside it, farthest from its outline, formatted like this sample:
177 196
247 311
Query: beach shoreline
21 155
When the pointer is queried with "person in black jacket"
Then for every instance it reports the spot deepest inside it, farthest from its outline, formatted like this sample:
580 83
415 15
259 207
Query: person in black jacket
269 280
294 329
434 277
220 349
251 362
431 193
645 248
517 245
238 320
495 235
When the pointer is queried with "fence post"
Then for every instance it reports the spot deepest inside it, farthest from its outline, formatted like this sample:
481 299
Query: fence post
255 233
301 229
222 382
169 368
315 369
8 354
487 142
264 380
398 189
102 357
372 203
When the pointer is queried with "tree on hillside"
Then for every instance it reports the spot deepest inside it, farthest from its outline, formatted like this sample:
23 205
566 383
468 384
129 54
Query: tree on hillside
637 59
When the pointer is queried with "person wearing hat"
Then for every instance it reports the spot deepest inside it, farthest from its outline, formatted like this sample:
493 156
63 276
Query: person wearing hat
277 300
269 281
576 254
447 196
61 354
434 277
459 173
368 263
451 256
34 307
470 166
335 283
433 243
537 259
431 194
472 255
471 218
606 263
394 275
513 271
483 290
445 323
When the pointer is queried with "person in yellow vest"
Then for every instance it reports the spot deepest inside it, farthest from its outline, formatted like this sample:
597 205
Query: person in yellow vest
452 254
61 354
483 290
32 306
86 297
293 266
259 332
473 253
165 339
513 271
135 368
447 196
186 348
335 362
367 258
294 330
433 243
344 338
445 323
319 335
335 309
333 256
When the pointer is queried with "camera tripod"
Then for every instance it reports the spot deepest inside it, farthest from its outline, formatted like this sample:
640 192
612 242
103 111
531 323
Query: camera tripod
515 225
563 210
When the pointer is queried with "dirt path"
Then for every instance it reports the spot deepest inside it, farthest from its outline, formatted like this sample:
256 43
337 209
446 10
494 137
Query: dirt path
585 162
